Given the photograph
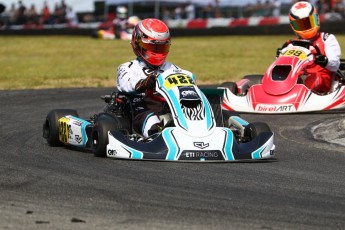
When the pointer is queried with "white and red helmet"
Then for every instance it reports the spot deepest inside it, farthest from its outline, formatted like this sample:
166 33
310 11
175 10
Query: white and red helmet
304 20
151 41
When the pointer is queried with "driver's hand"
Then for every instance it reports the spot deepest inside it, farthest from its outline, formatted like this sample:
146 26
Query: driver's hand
321 60
147 83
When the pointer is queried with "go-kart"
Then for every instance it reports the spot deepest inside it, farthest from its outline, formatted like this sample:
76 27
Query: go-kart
195 128
281 88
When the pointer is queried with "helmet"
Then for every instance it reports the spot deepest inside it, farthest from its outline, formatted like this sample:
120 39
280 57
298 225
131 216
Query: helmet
121 12
304 20
151 41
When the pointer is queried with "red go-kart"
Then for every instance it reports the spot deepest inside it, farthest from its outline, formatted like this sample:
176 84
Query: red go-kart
281 88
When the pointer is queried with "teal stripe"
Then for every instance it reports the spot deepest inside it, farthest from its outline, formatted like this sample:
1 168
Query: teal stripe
170 142
240 120
83 129
228 145
257 153
144 124
134 153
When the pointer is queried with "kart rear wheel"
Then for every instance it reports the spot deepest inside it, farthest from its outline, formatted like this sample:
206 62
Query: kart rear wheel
252 130
99 136
254 79
51 125
231 86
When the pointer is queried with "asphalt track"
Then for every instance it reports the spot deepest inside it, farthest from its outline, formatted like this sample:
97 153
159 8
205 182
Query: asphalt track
60 188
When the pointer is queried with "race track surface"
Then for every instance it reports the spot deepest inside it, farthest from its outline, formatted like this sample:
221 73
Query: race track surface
42 187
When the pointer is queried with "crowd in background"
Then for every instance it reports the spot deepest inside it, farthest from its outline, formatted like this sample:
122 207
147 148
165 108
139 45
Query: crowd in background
273 7
258 8
20 14
30 16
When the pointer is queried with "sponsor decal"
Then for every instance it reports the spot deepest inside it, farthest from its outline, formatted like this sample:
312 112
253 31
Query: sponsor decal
148 71
137 99
271 152
64 130
325 36
275 108
201 155
112 152
201 145
77 123
189 93
78 138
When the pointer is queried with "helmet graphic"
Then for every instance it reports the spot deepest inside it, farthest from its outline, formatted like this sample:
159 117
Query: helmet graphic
151 41
121 12
304 20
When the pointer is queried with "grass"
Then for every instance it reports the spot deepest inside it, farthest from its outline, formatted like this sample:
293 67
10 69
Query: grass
28 62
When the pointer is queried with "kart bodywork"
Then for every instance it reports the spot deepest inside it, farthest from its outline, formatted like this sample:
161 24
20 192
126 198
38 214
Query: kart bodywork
196 129
281 88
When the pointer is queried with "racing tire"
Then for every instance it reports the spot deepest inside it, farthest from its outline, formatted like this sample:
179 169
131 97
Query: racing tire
99 136
51 125
231 86
254 79
253 130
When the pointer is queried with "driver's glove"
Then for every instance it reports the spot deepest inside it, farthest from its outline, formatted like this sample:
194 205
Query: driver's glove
321 60
147 83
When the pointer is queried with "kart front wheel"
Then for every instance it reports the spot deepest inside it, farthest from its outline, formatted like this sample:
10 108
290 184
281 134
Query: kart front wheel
100 130
253 130
51 125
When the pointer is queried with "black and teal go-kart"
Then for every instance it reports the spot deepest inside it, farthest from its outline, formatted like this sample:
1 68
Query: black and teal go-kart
195 128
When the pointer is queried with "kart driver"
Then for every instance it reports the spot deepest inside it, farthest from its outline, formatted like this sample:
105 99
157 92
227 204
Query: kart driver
120 21
150 42
304 21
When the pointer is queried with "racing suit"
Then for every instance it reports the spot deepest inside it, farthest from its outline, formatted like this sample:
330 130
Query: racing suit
146 109
319 77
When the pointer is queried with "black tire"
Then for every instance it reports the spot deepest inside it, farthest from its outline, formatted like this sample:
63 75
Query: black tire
104 123
254 79
51 125
231 86
252 130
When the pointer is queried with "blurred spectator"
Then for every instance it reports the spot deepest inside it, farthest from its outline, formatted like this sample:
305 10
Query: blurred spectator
266 8
120 21
21 14
276 8
165 14
71 17
208 11
32 17
178 12
258 9
62 12
322 6
190 10
12 14
2 10
45 14
9 17
339 7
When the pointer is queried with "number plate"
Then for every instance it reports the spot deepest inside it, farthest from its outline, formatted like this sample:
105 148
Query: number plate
178 80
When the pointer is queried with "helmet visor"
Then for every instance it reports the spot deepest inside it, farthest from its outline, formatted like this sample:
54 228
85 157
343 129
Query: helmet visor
160 47
305 23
